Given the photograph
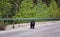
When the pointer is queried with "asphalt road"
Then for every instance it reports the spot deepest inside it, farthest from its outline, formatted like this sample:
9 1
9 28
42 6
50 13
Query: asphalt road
40 31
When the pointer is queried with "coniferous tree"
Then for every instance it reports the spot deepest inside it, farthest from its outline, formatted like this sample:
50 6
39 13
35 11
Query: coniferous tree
25 10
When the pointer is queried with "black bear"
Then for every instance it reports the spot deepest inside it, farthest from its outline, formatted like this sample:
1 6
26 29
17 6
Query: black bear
32 25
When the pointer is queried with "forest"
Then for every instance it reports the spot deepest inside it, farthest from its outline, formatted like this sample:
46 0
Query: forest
29 9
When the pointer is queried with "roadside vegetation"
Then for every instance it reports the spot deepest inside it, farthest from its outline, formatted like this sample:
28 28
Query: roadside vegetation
27 9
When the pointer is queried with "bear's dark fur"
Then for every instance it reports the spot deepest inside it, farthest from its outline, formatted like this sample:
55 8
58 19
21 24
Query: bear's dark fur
32 25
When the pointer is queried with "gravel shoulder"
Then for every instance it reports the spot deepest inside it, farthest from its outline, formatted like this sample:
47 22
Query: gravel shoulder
24 26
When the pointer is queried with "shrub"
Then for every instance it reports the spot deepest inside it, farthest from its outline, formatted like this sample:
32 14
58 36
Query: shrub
2 26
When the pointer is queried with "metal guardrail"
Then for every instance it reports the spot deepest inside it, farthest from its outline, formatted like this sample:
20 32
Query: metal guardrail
29 18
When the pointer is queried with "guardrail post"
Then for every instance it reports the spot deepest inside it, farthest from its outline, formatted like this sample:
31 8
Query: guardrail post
13 24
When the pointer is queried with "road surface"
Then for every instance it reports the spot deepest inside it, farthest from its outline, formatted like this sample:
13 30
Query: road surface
40 31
